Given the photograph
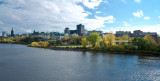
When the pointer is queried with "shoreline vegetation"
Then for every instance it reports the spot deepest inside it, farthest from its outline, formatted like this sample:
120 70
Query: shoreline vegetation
109 43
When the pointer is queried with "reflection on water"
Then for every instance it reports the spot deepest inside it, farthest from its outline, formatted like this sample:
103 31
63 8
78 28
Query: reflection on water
22 63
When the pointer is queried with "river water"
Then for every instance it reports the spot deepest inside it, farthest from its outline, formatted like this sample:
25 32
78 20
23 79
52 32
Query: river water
22 63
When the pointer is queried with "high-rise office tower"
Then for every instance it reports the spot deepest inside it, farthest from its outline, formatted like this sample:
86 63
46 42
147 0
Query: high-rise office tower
80 29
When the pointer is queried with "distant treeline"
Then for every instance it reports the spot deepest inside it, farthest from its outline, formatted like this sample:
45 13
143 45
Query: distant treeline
20 40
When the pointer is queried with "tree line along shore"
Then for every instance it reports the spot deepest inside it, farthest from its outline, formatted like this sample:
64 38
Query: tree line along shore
94 42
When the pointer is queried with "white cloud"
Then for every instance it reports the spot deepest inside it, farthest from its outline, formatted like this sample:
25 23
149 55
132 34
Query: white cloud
49 15
106 2
158 16
147 18
108 19
93 24
138 13
88 12
149 28
98 12
124 1
137 1
126 24
92 3
145 28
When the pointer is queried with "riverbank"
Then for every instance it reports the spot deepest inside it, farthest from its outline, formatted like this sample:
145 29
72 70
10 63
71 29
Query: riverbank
90 49
98 44
137 52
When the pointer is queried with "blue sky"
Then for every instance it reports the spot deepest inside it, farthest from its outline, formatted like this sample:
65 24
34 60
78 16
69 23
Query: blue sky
54 15
123 14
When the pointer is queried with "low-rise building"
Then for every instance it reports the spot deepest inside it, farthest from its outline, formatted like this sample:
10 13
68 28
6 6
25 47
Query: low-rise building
94 31
4 34
24 35
121 33
139 33
136 33
153 34
73 31
41 34
57 35
66 30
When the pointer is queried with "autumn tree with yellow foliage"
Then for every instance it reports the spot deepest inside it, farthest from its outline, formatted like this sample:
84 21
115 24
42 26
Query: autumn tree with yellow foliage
109 39
150 40
84 42
66 36
41 44
94 39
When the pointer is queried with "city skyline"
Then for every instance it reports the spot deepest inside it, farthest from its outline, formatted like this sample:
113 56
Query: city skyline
81 31
106 15
67 30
